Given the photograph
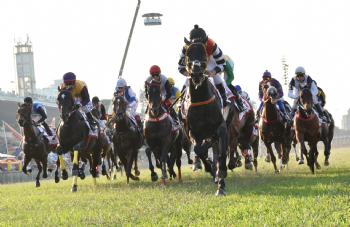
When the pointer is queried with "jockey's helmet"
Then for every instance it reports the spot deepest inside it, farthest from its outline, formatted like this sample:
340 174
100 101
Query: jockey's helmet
300 73
197 33
28 100
69 78
95 99
171 81
154 69
121 82
238 88
266 75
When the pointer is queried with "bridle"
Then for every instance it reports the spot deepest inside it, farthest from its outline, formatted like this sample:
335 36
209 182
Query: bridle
300 103
73 109
117 99
148 102
190 64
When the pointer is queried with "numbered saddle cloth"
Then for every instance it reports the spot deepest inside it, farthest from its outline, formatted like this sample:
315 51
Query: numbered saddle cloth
53 140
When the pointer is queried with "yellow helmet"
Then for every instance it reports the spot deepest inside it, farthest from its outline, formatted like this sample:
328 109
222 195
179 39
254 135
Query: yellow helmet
171 81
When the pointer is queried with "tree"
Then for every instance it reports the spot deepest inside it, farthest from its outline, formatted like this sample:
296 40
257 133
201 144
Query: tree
142 103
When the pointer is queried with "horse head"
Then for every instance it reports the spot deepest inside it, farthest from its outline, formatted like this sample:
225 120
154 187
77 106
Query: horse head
270 92
24 114
66 103
305 99
154 97
119 107
95 112
196 60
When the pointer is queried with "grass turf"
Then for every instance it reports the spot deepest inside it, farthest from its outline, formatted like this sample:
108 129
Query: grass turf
294 197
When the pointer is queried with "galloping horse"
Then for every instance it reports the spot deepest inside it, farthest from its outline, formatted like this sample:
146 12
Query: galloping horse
204 120
307 127
127 138
159 135
35 145
74 136
271 125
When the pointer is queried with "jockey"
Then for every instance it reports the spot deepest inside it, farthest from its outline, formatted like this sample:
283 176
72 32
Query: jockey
229 77
216 61
175 92
165 87
278 86
301 79
130 97
81 94
41 111
242 93
101 109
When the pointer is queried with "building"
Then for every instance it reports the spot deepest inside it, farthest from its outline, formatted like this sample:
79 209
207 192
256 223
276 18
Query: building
51 91
24 67
345 122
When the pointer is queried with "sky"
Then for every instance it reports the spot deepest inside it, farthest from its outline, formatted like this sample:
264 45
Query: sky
89 39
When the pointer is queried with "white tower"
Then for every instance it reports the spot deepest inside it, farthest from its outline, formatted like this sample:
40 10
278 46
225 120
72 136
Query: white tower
24 66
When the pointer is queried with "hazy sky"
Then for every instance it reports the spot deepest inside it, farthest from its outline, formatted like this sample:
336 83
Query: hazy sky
89 38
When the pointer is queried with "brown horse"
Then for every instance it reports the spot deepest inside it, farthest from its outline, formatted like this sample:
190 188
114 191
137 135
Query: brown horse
35 145
127 138
307 127
271 125
240 134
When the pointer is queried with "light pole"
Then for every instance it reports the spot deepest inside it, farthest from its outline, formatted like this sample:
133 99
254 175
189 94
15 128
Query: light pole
152 21
285 73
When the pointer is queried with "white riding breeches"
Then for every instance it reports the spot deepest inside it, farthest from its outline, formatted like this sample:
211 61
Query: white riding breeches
314 100
87 107
133 108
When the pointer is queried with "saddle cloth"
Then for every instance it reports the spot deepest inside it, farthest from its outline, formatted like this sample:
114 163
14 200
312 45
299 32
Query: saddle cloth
175 126
91 133
53 140
246 111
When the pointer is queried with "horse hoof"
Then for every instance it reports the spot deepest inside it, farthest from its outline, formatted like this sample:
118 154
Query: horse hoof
301 161
318 166
57 179
82 176
30 170
137 173
154 176
50 170
197 166
37 184
277 171
239 163
115 177
220 192
190 161
45 175
104 172
74 188
297 158
268 159
231 166
180 180
222 173
75 172
326 163
136 179
216 180
64 175
164 176
249 166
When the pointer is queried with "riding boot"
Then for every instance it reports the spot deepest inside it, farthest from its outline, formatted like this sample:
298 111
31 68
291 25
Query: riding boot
257 117
292 113
139 123
238 98
320 112
174 115
327 116
92 121
222 91
47 128
285 115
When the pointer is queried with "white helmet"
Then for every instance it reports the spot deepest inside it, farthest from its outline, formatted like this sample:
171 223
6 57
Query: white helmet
121 82
299 69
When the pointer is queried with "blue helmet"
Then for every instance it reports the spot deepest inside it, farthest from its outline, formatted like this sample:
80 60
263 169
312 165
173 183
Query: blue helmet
239 89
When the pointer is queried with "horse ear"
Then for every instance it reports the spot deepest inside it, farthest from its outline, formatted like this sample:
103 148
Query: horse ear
58 88
186 41
204 41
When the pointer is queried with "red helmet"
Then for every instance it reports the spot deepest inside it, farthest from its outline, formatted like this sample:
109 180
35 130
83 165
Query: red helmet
154 69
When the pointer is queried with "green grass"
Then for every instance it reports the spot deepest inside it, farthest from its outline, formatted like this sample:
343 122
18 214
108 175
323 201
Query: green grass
292 198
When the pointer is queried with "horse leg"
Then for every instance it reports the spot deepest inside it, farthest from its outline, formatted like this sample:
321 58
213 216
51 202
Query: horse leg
255 146
318 166
57 179
178 150
172 162
165 147
273 158
96 158
64 173
186 145
40 169
233 150
154 176
44 162
136 169
128 164
327 152
279 152
27 159
302 148
200 150
223 141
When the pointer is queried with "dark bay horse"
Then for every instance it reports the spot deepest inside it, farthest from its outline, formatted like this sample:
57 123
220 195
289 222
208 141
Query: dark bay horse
271 125
204 120
159 136
326 134
306 125
108 152
74 136
127 138
35 145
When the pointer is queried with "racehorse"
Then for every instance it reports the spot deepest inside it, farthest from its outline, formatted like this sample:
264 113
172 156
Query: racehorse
35 145
127 138
271 125
107 148
74 136
307 127
159 135
204 120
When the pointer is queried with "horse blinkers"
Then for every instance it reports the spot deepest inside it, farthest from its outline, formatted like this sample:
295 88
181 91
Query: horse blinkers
119 115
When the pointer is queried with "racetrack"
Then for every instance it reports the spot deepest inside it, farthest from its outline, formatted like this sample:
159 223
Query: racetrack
291 198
